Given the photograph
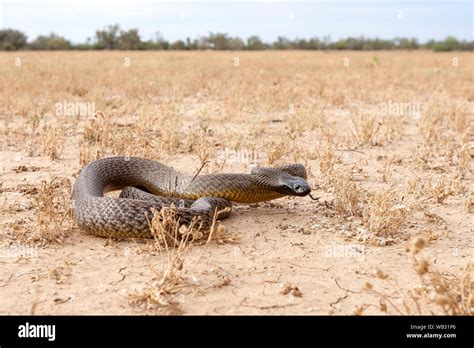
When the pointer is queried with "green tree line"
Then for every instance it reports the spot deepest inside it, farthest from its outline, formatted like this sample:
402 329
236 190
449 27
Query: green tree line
113 37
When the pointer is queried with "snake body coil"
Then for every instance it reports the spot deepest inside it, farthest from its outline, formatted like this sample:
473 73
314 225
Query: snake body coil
151 185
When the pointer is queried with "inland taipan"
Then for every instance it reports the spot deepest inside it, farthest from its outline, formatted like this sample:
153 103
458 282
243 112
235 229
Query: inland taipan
148 185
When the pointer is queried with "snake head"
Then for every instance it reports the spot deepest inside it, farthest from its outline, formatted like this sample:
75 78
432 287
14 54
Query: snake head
296 186
273 179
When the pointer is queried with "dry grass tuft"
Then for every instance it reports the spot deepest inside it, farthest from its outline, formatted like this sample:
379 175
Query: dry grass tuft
464 159
173 241
386 213
275 150
365 129
437 293
348 196
53 143
97 130
443 188
53 214
327 160
387 168
169 232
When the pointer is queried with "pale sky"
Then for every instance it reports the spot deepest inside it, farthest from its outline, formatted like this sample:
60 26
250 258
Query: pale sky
77 20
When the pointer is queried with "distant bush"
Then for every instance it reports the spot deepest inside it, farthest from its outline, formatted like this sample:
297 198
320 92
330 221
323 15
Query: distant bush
178 45
107 38
255 43
113 37
51 42
449 44
222 41
12 40
130 40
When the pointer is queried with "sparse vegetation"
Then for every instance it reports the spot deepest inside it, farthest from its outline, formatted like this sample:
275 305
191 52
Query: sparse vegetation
380 178
112 37
436 293
172 241
53 219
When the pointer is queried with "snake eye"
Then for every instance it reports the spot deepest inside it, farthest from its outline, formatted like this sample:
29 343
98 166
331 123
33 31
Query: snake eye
300 188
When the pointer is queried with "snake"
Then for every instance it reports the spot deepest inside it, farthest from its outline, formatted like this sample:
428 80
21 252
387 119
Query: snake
147 186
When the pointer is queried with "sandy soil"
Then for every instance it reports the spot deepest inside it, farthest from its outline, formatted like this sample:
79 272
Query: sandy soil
295 255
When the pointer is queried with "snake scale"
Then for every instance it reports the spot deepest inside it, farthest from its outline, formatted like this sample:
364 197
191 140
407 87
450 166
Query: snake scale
148 185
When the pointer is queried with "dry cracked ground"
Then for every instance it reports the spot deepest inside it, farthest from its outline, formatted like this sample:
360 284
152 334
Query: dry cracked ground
387 138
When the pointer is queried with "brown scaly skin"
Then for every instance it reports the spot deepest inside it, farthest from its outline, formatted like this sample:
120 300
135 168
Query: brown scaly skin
159 186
